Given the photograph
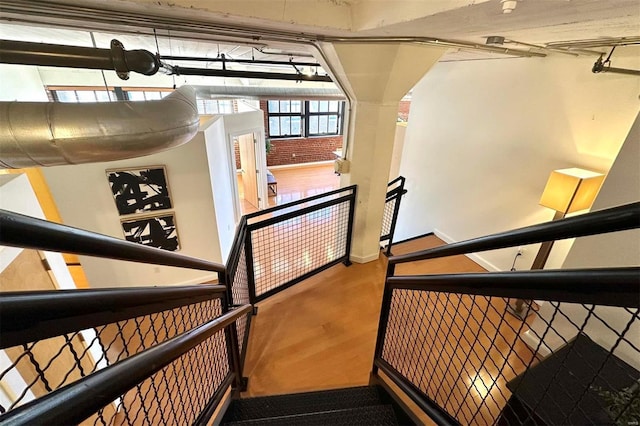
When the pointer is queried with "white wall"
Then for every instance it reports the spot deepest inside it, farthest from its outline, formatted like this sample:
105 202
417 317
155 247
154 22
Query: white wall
221 175
17 195
84 199
622 186
483 137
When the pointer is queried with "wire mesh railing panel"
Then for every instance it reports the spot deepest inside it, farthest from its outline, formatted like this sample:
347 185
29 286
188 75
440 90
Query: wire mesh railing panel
33 370
387 218
566 364
242 327
240 280
293 247
177 394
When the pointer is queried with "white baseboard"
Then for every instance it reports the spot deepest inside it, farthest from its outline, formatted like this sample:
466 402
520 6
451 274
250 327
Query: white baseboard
365 259
533 341
473 256
301 165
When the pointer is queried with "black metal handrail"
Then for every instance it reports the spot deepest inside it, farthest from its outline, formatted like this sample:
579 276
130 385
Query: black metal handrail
609 220
73 403
351 188
316 204
437 414
290 215
617 287
34 315
28 232
603 286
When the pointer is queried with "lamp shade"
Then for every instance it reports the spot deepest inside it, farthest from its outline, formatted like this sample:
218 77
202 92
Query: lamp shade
571 190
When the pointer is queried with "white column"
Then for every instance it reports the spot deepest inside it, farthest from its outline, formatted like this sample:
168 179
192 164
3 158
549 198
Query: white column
375 77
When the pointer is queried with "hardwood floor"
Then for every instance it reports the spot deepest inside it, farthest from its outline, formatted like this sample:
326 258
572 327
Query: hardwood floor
321 333
295 184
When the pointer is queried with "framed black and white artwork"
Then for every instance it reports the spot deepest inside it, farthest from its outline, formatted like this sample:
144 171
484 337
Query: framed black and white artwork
156 231
139 190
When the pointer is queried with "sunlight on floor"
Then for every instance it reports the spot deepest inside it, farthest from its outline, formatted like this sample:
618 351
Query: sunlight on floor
295 184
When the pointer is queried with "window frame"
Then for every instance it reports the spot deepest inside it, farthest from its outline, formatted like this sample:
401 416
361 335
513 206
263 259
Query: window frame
339 118
223 106
305 115
54 93
226 103
286 114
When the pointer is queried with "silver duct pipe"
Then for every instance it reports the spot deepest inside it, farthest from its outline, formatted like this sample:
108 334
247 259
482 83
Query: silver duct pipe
34 134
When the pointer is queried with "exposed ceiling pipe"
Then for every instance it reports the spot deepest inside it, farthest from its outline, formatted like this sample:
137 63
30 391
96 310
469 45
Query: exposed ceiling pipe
54 55
267 51
206 72
266 93
432 41
141 61
238 61
599 42
127 22
36 134
499 41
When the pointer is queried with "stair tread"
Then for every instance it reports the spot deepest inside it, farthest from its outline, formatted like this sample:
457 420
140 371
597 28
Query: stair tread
378 415
299 403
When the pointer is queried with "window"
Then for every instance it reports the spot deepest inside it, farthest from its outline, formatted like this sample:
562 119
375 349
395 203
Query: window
145 95
285 118
88 95
304 118
325 118
212 106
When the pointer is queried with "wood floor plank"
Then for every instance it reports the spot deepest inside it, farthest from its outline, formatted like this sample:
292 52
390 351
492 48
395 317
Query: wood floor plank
321 333
295 184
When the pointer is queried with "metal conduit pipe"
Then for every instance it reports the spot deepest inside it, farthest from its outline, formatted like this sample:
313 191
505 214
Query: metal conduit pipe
36 134
434 42
177 70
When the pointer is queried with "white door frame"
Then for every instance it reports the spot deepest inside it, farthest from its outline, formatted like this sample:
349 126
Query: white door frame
261 164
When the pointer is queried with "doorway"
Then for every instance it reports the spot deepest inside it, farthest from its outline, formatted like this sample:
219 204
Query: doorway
248 177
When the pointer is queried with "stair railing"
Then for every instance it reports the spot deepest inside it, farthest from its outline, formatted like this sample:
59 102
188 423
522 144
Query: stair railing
149 354
142 349
449 342
395 191
289 243
156 355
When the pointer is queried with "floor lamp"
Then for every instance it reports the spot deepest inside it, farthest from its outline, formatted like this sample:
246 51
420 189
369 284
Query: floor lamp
567 191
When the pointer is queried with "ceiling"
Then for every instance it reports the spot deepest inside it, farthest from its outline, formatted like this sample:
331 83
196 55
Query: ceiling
256 29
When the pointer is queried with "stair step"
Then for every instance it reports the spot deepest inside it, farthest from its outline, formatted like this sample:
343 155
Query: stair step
300 403
379 415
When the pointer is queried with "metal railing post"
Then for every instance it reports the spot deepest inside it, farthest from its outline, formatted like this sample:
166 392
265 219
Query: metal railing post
396 210
352 210
231 337
251 281
384 317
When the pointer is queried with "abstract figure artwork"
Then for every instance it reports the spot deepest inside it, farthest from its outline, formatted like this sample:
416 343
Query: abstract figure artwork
155 231
139 190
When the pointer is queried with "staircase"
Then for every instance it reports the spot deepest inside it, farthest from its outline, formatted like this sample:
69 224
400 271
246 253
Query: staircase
367 405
